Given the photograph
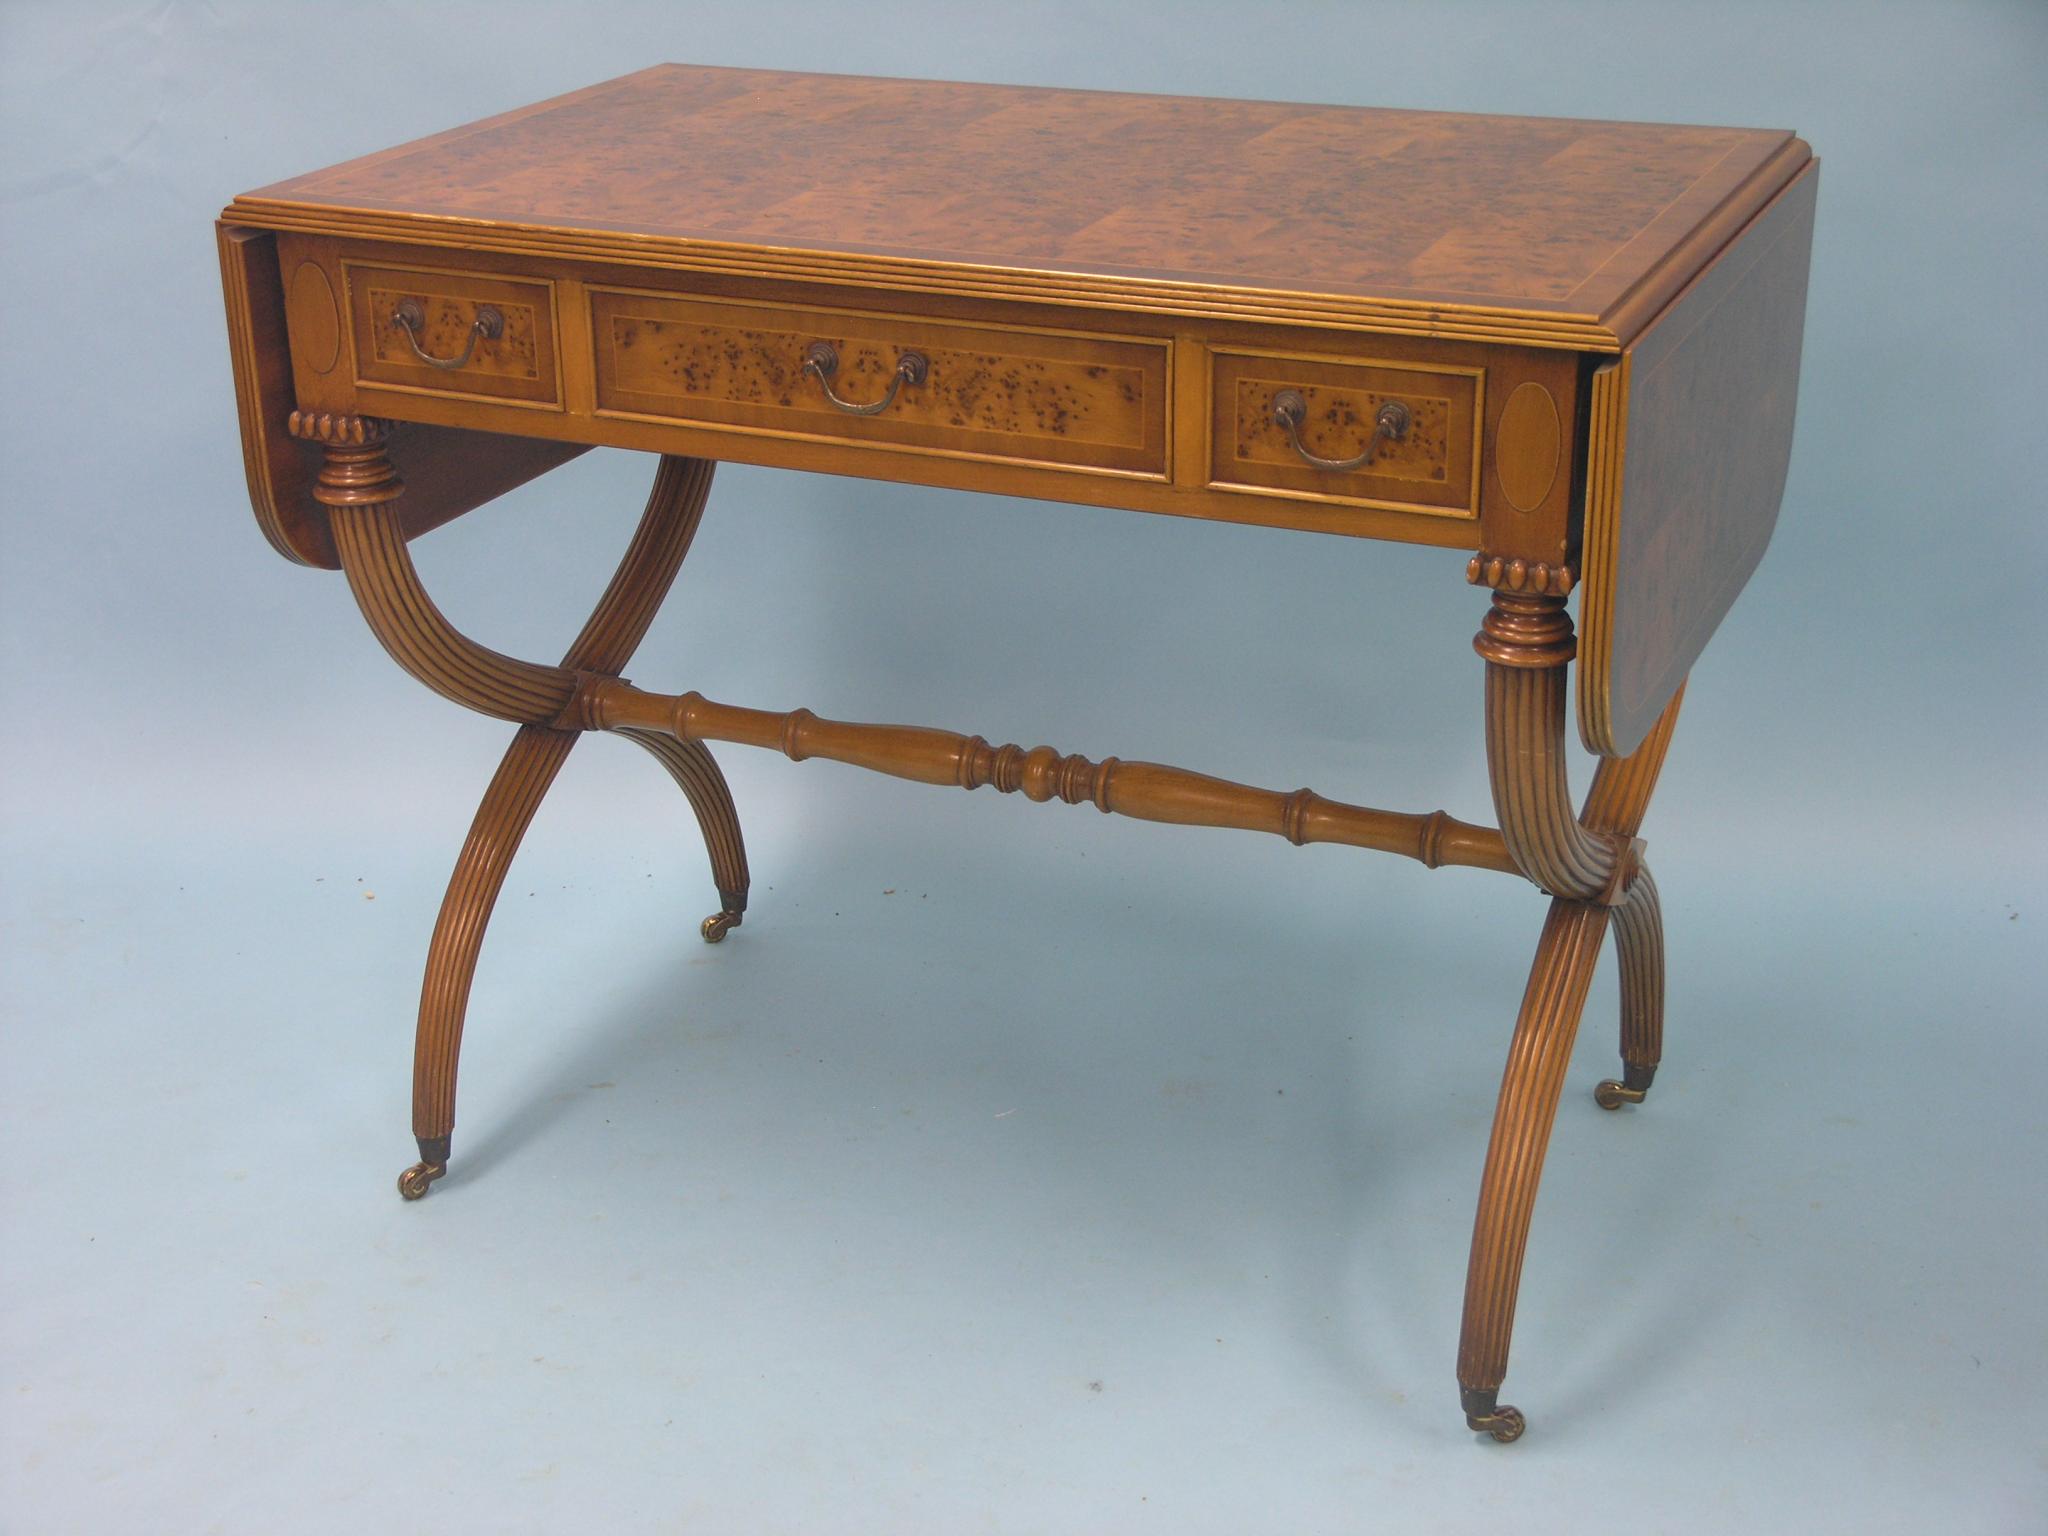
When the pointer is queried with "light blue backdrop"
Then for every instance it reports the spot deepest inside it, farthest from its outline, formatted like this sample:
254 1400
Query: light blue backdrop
1122 1181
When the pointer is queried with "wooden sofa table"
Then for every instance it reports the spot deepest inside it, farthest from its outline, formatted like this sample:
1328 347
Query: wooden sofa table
1566 349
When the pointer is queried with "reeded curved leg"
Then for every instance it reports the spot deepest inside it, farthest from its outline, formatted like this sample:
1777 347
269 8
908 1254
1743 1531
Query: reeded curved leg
1618 800
359 487
1592 866
675 506
1542 1048
1639 949
517 789
691 765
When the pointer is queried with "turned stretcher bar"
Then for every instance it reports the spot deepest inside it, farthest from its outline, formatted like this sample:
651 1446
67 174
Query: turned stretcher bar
1147 791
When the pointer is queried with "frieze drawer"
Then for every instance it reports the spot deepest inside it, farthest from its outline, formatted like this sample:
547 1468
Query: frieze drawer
1368 433
884 380
474 335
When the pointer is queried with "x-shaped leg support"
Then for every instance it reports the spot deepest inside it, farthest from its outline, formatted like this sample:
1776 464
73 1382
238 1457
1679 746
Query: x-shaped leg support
1590 863
1592 866
360 488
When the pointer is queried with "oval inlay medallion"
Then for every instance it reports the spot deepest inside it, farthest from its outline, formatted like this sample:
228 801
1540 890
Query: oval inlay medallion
1528 446
315 318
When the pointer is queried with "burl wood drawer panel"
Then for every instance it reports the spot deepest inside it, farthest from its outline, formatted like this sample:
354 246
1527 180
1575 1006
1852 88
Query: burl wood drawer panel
1432 468
519 364
988 392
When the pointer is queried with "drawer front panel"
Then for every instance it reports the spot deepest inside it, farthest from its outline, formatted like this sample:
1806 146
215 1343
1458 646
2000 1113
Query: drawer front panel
1432 467
518 365
994 392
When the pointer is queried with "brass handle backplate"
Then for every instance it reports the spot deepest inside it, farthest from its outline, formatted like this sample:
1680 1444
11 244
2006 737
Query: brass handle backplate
821 361
411 319
1390 425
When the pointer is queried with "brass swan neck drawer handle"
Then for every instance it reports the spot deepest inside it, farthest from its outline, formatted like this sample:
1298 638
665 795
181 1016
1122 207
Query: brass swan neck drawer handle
821 361
411 319
1290 410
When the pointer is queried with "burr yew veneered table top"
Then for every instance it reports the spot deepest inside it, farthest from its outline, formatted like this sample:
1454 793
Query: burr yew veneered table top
1514 227
1568 350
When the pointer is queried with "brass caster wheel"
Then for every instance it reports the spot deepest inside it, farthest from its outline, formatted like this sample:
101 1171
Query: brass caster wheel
414 1181
718 924
1633 1088
1483 1414
1504 1424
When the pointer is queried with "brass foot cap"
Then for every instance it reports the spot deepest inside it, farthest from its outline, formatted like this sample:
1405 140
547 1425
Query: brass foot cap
718 924
1612 1095
1633 1088
1504 1424
414 1181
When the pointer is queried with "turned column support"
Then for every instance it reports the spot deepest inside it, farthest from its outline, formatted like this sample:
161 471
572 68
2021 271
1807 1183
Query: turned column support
1527 642
357 471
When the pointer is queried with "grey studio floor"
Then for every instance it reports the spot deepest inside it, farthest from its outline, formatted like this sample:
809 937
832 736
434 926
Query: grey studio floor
1013 1168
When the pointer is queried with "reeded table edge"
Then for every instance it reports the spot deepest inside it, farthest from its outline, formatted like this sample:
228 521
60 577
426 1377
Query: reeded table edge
852 267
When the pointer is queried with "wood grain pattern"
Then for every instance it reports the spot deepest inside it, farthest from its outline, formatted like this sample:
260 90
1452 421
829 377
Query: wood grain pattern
1430 469
520 364
1548 534
315 316
1691 436
1528 446
1340 426
1098 402
1514 229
